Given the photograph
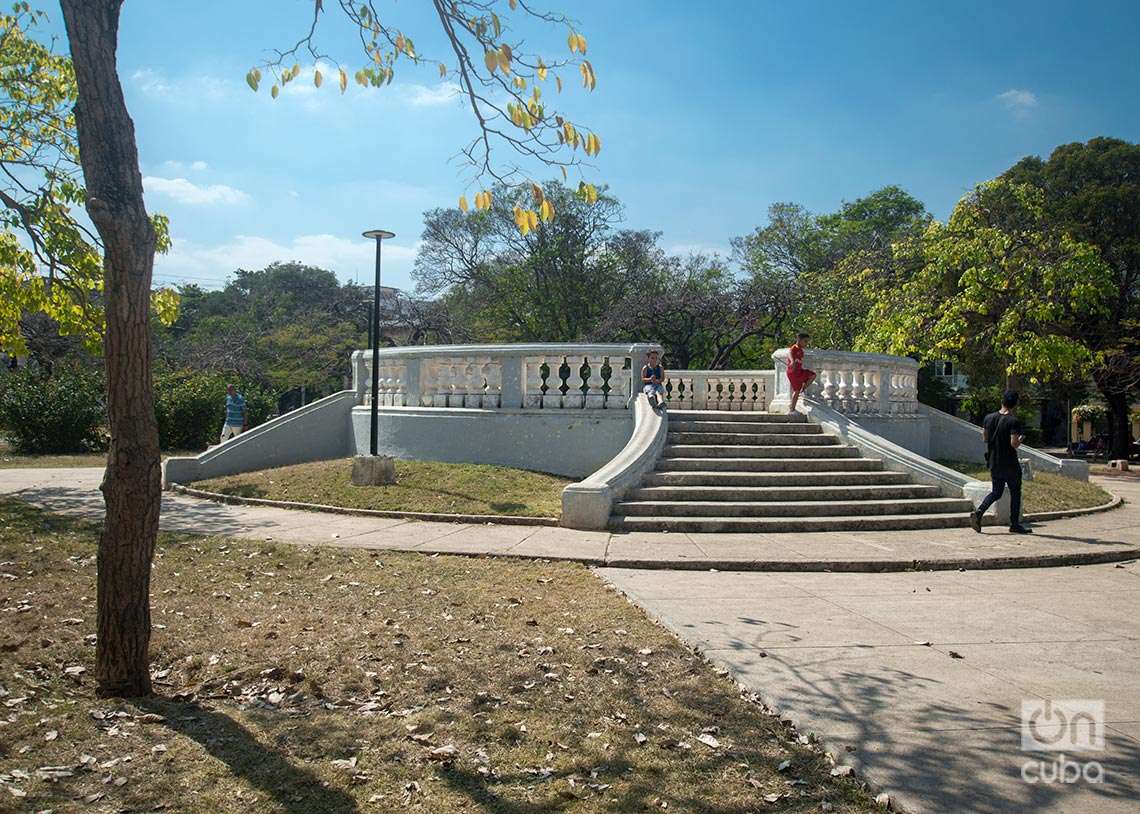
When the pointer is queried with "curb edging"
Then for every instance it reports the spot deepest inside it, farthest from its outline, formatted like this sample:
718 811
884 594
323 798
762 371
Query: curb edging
500 519
1038 517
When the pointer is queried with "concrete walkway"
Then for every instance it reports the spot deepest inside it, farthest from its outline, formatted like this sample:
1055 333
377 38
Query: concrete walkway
917 679
1108 536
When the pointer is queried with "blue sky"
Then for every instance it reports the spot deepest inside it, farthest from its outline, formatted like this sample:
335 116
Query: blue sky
709 112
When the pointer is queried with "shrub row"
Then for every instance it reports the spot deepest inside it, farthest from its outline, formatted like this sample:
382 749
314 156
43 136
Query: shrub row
66 412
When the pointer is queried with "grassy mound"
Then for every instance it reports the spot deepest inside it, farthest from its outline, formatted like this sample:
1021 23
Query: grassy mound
422 486
329 681
1046 492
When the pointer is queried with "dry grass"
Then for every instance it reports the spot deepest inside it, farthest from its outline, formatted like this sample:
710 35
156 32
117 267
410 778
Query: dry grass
319 680
422 486
11 460
14 460
1046 492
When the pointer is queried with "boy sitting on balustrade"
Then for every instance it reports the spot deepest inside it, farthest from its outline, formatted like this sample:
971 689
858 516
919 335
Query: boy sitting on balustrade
653 379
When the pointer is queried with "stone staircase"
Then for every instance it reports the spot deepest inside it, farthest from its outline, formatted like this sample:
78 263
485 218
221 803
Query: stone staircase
763 472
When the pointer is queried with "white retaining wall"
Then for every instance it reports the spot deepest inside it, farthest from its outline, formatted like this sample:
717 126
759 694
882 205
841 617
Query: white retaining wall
572 443
319 431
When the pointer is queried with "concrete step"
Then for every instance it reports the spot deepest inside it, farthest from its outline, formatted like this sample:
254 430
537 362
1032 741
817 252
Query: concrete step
762 525
694 462
783 492
730 439
832 450
769 427
725 415
729 477
791 508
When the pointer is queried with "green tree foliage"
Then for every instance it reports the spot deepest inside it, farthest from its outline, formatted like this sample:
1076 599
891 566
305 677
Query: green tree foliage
553 283
1092 191
191 406
834 264
287 325
50 261
703 315
996 279
61 413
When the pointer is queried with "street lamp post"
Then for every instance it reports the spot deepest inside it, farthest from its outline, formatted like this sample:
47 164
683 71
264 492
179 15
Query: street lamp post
372 470
379 235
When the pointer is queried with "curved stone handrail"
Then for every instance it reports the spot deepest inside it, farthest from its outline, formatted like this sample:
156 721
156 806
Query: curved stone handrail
588 503
899 459
504 376
949 432
872 384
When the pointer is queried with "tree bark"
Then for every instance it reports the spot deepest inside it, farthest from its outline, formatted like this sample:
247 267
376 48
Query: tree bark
132 483
1119 425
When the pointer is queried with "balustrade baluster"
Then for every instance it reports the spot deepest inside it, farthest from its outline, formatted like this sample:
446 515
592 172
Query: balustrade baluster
857 390
618 395
552 397
493 383
536 380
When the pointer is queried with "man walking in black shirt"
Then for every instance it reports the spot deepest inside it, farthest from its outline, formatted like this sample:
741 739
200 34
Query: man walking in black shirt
1003 433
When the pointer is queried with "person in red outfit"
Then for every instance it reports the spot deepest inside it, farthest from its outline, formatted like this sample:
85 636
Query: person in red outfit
798 376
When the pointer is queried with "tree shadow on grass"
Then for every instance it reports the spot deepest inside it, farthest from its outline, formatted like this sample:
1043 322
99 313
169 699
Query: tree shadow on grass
294 789
507 507
245 490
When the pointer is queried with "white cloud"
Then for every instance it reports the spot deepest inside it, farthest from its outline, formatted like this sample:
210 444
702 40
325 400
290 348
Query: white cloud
347 257
444 93
1018 102
174 166
182 89
686 249
187 192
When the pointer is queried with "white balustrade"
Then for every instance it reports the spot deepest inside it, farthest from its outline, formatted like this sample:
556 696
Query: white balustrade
732 390
870 384
534 376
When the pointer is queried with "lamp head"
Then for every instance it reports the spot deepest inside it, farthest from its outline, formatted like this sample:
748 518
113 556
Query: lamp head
379 234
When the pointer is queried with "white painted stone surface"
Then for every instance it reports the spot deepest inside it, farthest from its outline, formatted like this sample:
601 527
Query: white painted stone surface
587 504
562 442
319 431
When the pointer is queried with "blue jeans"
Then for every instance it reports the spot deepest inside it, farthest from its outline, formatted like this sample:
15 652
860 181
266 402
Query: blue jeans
1000 480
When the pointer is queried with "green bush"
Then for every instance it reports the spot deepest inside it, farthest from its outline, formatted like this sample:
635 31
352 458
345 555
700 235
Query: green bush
57 414
981 401
191 406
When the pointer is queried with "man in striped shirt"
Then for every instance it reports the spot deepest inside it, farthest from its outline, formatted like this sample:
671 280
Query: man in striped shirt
235 413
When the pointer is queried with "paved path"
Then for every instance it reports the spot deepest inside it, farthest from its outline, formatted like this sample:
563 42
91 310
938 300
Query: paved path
917 679
1110 535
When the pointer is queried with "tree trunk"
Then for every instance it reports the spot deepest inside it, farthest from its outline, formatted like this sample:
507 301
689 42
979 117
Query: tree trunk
1119 427
132 483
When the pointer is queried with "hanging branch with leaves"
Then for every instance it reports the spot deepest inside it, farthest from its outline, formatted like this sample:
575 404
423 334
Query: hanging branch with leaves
501 81
50 260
